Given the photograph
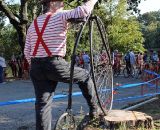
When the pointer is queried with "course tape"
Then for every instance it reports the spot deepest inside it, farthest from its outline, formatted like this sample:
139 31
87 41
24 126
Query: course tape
75 94
151 72
138 84
136 97
33 99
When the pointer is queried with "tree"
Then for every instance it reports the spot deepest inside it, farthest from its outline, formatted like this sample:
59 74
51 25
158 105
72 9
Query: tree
150 24
123 28
8 41
18 17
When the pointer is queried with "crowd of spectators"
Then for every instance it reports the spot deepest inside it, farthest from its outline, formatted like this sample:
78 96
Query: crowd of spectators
83 60
139 59
17 64
20 67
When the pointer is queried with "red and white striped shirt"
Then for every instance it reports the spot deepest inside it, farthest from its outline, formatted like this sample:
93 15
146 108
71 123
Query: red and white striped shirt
55 32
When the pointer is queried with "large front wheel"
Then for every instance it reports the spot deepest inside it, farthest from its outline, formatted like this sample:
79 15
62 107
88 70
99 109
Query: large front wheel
101 66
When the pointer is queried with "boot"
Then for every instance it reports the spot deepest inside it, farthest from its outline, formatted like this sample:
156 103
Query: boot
96 113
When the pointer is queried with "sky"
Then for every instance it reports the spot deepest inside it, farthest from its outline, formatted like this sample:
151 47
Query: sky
144 6
149 5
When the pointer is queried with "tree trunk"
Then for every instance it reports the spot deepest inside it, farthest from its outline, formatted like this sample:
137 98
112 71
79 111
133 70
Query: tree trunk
118 119
22 36
19 21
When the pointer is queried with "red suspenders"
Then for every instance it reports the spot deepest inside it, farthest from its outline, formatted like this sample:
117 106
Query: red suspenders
40 39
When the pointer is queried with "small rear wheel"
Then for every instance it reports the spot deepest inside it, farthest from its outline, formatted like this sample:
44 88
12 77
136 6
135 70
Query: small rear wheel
65 122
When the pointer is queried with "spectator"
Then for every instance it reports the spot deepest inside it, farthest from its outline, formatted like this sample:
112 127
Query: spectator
155 58
81 63
159 55
13 64
19 64
2 68
140 61
127 60
151 55
25 68
103 58
116 61
159 59
77 60
132 60
86 61
145 56
146 59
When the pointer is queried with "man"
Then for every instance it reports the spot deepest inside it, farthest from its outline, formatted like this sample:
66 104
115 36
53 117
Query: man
132 61
86 60
116 61
155 58
1 71
140 61
2 68
128 63
45 48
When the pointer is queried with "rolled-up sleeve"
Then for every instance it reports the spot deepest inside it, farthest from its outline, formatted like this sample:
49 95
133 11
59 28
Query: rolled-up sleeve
27 48
80 11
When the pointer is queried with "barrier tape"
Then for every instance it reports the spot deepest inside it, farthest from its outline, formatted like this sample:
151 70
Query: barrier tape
33 99
151 72
136 97
138 84
74 94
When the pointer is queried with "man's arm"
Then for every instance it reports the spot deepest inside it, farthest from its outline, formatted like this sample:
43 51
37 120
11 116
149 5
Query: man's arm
80 11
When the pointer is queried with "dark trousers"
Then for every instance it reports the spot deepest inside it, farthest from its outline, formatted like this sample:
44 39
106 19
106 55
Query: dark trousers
1 74
128 67
45 73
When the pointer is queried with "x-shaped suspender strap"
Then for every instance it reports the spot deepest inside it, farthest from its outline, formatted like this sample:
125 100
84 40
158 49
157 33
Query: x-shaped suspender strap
40 39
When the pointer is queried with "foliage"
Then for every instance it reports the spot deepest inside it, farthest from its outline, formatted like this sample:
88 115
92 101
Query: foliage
70 43
9 41
150 24
123 29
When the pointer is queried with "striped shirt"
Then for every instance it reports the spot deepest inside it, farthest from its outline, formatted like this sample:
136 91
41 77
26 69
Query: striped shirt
55 32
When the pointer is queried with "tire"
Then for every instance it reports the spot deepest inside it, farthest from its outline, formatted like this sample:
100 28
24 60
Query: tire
101 66
65 122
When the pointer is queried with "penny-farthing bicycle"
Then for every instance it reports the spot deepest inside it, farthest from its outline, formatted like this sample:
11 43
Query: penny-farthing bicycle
101 70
